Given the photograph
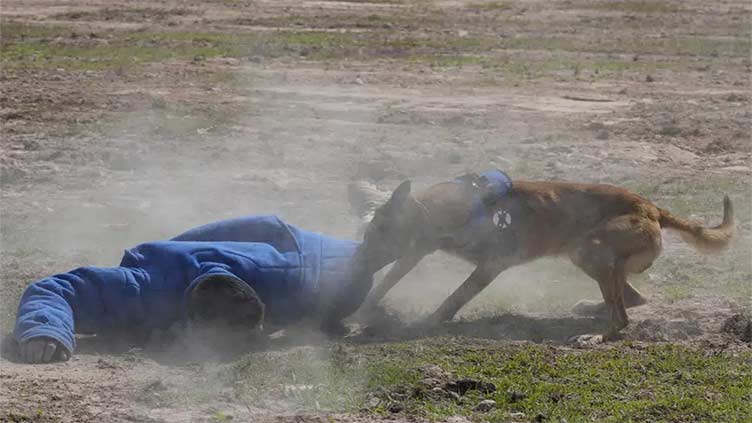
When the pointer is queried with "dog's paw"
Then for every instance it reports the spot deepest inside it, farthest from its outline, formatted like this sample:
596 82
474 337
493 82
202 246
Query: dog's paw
586 340
335 329
589 308
385 329
589 340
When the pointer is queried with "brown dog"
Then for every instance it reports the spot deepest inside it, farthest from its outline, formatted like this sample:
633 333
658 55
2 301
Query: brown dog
607 231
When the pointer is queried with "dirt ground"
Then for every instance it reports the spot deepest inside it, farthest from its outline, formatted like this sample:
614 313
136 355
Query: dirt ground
297 98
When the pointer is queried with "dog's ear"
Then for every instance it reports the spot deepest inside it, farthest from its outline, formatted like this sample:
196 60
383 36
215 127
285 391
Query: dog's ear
400 194
365 198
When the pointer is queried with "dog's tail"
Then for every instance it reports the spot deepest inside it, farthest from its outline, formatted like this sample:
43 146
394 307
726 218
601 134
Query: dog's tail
365 198
706 240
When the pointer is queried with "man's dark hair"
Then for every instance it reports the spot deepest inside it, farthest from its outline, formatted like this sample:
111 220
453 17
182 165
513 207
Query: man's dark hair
225 301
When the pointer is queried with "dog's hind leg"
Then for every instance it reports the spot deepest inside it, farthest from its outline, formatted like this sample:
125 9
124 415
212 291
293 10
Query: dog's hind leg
632 298
607 269
626 244
636 240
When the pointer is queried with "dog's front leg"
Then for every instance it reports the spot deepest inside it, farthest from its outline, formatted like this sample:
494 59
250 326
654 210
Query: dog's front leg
371 313
398 271
481 277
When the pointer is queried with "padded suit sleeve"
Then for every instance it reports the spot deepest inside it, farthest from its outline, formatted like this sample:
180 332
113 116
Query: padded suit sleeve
263 229
85 298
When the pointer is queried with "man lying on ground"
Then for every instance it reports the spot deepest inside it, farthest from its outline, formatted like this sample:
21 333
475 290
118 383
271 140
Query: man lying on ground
232 274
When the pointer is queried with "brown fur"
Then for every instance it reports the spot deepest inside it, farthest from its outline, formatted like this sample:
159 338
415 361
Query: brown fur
607 231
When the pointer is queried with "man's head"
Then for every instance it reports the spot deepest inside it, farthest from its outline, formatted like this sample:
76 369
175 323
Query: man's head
224 303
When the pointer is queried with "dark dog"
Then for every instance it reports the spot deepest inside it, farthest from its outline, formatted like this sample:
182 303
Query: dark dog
607 231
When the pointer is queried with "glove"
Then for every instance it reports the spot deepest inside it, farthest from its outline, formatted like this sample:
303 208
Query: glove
43 350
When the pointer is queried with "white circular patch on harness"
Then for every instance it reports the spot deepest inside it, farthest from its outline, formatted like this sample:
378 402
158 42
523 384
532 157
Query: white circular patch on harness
502 219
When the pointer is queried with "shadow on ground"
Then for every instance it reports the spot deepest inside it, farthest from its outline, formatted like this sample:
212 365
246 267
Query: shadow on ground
509 326
180 349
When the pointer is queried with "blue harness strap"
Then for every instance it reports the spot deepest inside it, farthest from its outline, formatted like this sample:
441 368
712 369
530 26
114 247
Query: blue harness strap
491 186
487 188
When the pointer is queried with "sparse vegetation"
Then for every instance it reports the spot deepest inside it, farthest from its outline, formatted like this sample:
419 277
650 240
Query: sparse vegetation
221 417
632 6
623 382
130 14
50 47
371 1
491 5
675 293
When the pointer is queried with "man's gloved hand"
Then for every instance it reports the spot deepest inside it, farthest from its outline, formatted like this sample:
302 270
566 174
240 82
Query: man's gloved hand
43 350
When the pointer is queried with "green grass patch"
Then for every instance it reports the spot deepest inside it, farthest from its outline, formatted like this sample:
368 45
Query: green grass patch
45 47
631 6
616 384
102 57
234 3
523 68
370 1
51 47
675 46
372 21
14 31
676 293
315 378
490 6
130 14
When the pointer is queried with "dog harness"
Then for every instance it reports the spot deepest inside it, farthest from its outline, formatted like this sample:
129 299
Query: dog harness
487 189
